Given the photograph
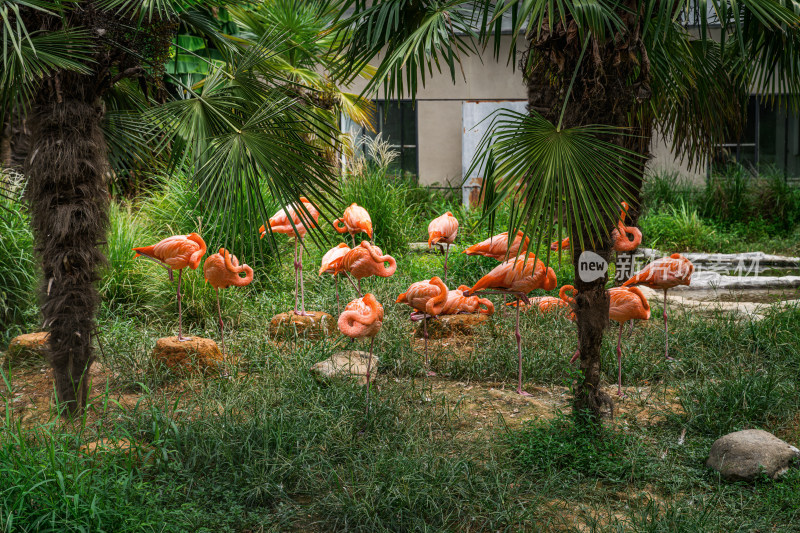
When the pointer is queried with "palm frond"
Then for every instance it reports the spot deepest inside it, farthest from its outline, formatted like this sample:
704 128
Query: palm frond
571 179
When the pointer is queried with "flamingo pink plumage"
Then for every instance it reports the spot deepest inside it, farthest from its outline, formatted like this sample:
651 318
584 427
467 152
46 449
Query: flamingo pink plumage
363 261
664 274
355 219
328 266
363 318
222 270
443 230
518 276
619 235
497 247
626 303
458 303
428 298
295 223
176 253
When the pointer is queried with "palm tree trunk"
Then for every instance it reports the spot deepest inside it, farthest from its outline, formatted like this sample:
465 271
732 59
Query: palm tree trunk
611 88
69 210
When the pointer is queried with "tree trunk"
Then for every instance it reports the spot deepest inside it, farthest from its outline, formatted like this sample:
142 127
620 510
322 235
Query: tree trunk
611 88
66 168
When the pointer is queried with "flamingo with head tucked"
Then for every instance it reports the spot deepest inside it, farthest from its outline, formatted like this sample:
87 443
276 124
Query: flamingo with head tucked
664 274
176 253
428 298
328 265
457 303
222 270
442 231
497 247
517 276
295 223
363 261
363 318
355 220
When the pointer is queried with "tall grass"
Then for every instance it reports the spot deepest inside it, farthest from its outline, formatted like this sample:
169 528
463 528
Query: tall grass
18 310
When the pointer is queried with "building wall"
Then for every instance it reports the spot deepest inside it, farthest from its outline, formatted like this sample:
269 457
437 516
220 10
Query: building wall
439 114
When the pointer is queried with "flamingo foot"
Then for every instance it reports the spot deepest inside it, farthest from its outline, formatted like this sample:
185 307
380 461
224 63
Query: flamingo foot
669 358
301 313
621 394
523 393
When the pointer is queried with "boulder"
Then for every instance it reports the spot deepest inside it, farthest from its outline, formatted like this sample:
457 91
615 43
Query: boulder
448 325
314 325
29 348
195 355
351 363
744 455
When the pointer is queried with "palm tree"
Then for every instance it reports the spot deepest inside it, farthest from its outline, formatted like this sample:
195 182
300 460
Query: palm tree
89 74
600 76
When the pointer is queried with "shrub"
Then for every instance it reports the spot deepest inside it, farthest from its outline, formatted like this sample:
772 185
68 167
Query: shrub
677 229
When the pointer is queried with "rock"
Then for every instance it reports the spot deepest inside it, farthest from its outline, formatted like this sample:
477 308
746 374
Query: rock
28 348
448 325
120 446
743 455
196 355
352 363
314 325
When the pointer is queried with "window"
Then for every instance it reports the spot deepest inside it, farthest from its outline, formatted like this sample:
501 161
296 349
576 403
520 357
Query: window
396 122
771 137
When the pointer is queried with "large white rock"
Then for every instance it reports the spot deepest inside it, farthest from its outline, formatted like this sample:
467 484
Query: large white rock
744 455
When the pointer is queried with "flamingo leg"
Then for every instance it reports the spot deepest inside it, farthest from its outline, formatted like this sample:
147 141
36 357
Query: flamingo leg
360 292
296 265
446 253
369 364
353 237
338 306
181 338
302 286
221 324
425 334
666 330
619 361
350 279
519 355
632 327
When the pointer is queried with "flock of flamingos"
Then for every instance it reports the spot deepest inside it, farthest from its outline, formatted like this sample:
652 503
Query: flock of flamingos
518 273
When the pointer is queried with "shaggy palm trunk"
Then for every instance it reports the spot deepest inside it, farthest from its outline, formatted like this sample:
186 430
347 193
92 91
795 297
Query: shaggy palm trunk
611 88
69 211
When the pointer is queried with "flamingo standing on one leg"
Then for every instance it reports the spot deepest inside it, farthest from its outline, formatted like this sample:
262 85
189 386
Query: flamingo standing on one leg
443 231
627 303
497 247
295 223
428 298
355 219
363 317
517 276
457 303
222 270
363 261
176 253
664 274
328 267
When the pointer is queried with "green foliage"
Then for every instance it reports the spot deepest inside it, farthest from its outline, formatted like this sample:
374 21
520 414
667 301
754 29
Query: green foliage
18 309
677 229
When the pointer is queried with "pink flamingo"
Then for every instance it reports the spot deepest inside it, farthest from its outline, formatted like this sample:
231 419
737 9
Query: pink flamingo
363 261
457 303
363 317
176 253
497 247
517 276
295 224
428 298
627 303
355 219
664 274
222 270
619 235
328 267
443 230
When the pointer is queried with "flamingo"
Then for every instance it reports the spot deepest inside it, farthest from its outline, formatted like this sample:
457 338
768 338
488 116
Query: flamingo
497 247
355 219
627 303
428 298
363 317
327 268
222 270
619 235
457 303
517 276
664 274
294 223
363 261
547 304
176 253
443 230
